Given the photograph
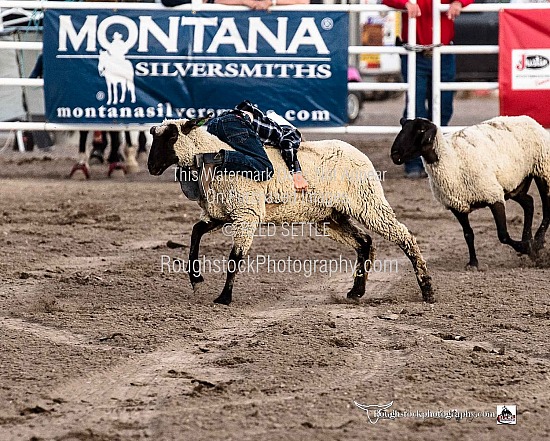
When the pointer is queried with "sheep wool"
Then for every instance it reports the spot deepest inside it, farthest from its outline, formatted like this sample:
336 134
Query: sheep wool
340 176
482 166
343 185
482 163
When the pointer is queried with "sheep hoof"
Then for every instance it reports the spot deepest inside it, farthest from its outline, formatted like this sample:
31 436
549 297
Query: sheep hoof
196 281
534 253
477 268
355 294
428 294
196 287
223 300
471 267
427 290
526 247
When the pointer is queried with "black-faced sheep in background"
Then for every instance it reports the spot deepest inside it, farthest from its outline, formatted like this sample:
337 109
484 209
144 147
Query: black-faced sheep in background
482 166
336 172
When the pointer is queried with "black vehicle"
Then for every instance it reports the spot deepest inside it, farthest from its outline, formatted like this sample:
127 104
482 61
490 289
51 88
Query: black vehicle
477 28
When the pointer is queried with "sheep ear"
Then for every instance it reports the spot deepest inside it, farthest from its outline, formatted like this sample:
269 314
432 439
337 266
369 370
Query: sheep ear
187 126
195 122
429 135
427 147
172 131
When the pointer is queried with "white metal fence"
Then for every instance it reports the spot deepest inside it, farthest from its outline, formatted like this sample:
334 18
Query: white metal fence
35 8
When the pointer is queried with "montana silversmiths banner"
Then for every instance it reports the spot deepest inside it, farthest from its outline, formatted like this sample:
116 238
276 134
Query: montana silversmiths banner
102 66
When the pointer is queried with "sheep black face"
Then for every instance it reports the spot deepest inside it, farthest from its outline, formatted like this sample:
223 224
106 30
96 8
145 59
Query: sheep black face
162 154
415 139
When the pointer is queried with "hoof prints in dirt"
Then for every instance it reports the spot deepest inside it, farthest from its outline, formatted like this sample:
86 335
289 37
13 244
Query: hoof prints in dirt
137 354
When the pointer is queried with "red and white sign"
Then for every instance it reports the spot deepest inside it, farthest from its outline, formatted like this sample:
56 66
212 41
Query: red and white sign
524 63
530 69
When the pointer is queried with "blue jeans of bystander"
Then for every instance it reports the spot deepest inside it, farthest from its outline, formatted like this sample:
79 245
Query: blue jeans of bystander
423 102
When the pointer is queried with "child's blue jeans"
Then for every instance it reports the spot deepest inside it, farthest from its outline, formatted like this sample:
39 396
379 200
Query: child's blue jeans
249 158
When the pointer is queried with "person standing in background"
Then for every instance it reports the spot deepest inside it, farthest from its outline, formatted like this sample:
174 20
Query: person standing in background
422 11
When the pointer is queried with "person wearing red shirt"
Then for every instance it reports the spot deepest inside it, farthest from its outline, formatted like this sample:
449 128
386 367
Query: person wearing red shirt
422 11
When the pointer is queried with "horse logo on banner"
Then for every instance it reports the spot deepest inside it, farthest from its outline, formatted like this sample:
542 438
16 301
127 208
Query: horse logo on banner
117 70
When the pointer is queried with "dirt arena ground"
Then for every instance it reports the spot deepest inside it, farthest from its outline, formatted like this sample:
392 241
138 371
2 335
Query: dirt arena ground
98 344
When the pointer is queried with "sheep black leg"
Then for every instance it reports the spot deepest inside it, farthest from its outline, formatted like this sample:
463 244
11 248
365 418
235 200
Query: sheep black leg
499 214
411 250
235 258
199 229
245 222
526 202
362 268
544 190
342 230
468 236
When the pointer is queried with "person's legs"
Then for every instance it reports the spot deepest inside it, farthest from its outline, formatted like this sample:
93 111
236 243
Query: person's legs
405 75
448 73
142 142
82 163
130 154
82 159
425 71
414 167
82 141
423 86
99 144
114 155
249 158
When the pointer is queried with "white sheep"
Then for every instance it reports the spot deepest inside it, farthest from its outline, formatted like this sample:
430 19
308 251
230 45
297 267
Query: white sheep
343 186
482 166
